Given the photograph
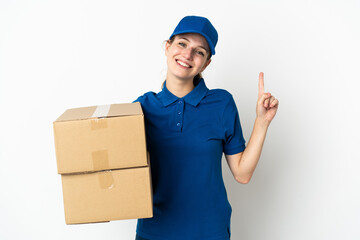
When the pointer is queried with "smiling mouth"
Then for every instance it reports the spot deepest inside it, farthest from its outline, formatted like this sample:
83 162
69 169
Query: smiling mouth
183 64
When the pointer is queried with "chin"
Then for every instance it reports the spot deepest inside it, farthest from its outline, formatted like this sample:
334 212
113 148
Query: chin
185 79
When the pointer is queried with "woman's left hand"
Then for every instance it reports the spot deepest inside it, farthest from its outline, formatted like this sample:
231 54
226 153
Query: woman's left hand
267 104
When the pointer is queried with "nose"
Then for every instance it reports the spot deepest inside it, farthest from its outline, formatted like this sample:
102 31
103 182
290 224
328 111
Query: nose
188 53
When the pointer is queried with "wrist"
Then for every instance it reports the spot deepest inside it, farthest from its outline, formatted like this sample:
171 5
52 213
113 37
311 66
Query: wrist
262 123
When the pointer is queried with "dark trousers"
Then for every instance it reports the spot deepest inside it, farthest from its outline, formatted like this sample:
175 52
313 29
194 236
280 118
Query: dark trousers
140 238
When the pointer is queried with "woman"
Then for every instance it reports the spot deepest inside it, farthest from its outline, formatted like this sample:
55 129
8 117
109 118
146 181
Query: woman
188 127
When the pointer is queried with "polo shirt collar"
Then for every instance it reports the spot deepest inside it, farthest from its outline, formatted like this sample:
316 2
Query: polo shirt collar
194 97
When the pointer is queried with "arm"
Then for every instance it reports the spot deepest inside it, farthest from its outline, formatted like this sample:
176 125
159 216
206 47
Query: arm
242 165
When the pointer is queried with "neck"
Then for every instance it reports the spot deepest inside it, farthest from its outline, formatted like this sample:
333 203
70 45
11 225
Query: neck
178 87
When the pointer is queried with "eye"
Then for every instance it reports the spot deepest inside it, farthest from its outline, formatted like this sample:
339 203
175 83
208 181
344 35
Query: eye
201 53
182 44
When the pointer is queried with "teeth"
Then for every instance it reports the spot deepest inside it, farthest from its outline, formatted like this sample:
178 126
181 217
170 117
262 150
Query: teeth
183 64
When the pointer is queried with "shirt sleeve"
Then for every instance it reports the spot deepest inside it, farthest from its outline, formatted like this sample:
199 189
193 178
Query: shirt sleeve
234 141
137 100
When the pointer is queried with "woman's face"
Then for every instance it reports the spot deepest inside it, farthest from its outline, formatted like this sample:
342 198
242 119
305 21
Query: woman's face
187 56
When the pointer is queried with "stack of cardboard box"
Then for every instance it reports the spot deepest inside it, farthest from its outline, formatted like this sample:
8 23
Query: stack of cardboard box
104 164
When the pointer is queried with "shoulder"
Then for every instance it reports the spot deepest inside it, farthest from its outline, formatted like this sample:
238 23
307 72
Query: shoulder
219 95
150 101
148 96
224 102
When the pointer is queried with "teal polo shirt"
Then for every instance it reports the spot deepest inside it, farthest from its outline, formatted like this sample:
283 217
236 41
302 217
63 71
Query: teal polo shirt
186 138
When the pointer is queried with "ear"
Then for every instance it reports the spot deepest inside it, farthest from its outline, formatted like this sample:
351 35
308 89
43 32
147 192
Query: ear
205 65
167 45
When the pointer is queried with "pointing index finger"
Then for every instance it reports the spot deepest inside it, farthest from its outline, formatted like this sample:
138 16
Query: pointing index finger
261 83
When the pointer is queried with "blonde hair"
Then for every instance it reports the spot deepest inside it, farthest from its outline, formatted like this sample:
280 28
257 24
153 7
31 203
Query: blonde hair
197 78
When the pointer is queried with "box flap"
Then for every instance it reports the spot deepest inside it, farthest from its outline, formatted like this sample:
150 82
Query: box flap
125 109
113 110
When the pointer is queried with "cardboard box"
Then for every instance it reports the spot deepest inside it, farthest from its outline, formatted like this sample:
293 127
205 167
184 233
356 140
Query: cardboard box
100 138
104 165
107 195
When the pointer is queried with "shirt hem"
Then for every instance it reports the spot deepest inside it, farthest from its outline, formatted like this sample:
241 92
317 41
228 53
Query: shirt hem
235 150
157 237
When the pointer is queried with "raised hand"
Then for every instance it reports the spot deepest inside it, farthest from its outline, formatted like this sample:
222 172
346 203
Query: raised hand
267 104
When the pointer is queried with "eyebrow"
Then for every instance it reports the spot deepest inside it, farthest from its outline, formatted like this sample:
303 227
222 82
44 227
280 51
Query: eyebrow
189 41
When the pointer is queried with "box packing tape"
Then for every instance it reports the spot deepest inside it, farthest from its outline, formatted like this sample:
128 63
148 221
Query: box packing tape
106 179
99 121
101 111
100 158
100 161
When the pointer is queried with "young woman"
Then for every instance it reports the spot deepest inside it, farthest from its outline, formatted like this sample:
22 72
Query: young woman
188 128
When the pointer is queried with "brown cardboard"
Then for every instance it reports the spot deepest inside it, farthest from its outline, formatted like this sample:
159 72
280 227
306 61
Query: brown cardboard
84 143
107 195
104 164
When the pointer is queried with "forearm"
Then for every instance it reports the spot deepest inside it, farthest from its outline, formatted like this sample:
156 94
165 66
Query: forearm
252 152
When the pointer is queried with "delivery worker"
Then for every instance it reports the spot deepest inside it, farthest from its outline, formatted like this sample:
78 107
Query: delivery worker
188 127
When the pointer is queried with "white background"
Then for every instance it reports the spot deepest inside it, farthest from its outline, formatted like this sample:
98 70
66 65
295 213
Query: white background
56 55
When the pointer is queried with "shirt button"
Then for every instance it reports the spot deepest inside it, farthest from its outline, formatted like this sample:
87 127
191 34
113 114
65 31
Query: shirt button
178 124
180 102
179 112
